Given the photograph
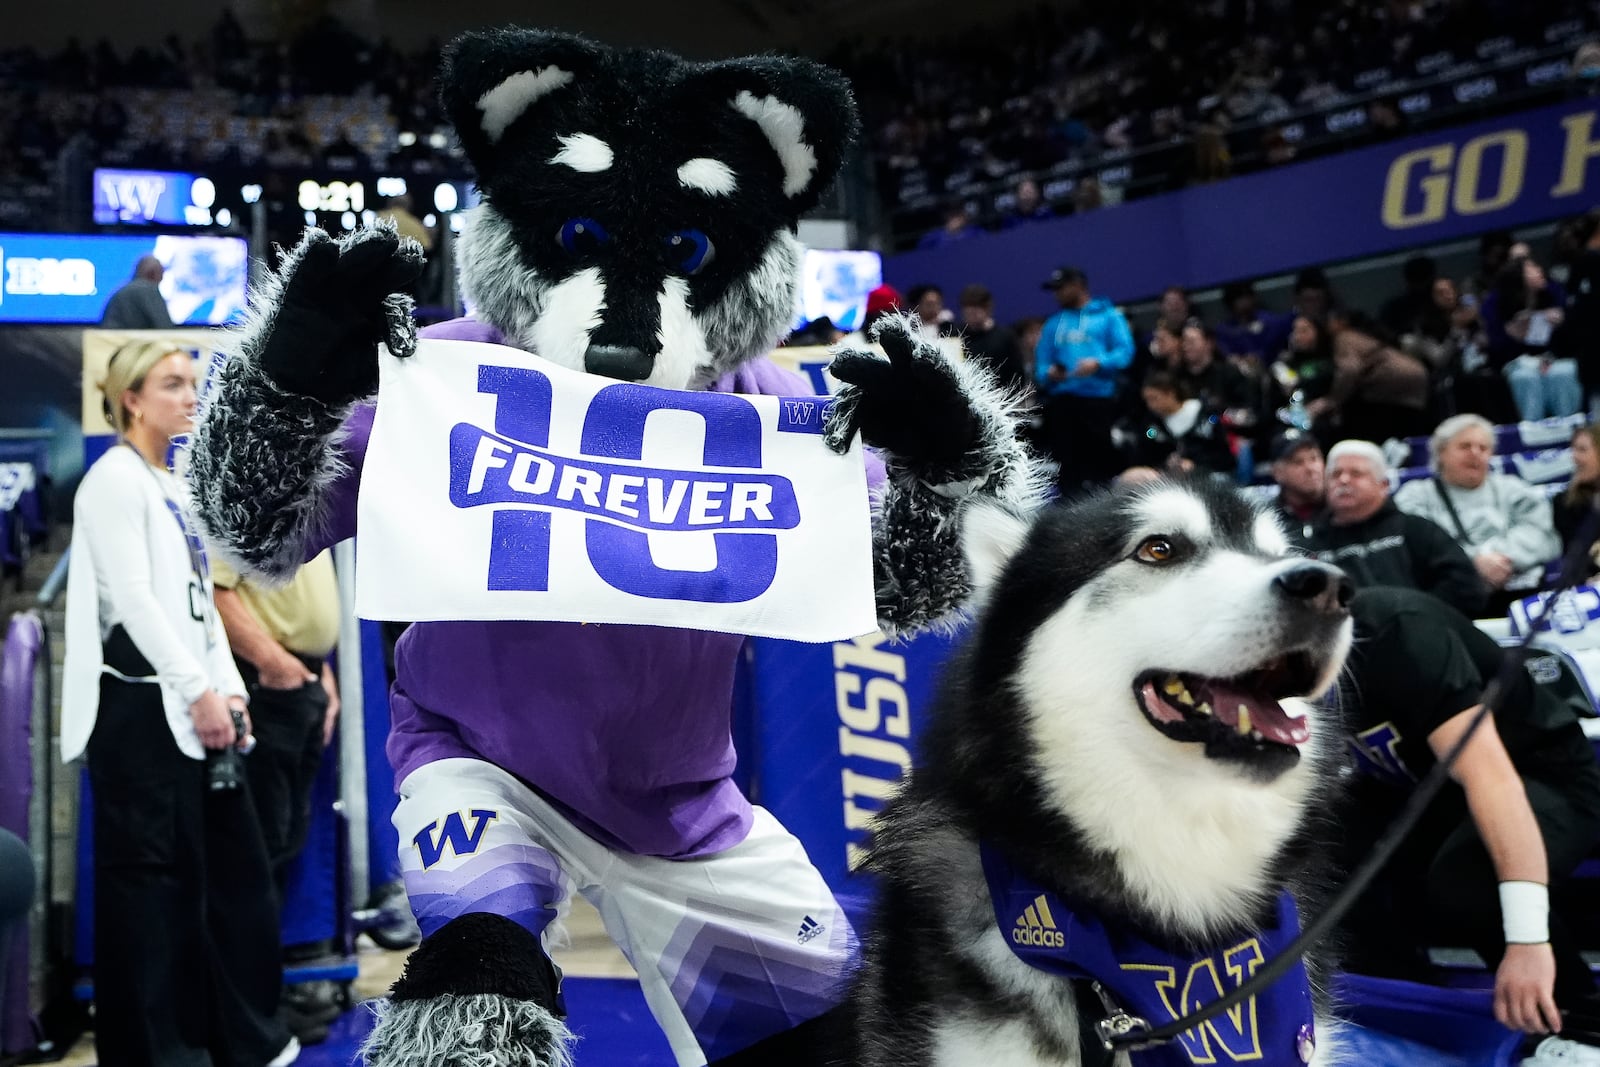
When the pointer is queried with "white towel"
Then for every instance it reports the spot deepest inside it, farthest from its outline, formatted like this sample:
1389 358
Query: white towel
497 485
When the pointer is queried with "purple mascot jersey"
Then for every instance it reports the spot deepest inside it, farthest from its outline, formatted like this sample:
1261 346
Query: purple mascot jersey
624 728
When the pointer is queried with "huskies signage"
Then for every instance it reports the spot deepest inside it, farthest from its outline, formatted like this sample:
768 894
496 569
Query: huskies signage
499 486
836 726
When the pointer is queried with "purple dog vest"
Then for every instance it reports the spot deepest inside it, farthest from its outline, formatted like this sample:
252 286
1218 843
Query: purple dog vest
1274 1028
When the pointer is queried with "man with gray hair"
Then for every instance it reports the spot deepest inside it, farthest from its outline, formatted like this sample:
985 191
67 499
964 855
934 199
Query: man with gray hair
139 305
1503 523
1377 544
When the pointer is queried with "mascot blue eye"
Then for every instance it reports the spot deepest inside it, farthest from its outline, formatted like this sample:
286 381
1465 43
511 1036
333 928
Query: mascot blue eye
690 251
581 235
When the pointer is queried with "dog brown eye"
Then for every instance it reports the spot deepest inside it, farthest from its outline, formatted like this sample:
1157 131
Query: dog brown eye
1155 550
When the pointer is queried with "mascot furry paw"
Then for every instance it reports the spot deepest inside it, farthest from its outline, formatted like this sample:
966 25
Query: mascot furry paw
637 221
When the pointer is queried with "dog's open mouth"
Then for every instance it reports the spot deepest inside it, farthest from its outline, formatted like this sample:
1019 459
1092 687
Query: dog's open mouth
1233 716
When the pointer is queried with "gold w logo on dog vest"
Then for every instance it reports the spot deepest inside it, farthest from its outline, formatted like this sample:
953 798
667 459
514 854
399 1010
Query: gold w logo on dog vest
1037 926
1235 1035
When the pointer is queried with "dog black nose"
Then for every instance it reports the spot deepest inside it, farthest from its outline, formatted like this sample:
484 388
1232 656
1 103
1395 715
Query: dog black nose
623 362
1323 587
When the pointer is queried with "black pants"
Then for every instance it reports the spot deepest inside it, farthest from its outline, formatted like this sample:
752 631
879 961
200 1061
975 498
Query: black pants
283 767
1077 433
186 950
1440 888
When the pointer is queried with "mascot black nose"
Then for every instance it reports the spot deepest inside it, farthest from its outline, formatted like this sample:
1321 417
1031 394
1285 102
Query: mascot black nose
623 362
1322 587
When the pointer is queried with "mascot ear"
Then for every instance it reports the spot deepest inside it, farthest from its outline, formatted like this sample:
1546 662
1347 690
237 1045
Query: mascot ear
806 112
491 80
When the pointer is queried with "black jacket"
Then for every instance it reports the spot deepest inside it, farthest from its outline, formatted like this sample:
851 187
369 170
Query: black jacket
1393 548
999 350
1417 664
1578 336
1146 441
1569 522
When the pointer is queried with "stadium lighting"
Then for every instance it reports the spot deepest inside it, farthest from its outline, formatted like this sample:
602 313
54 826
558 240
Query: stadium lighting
407 139
444 197
391 186
348 220
429 220
311 218
437 140
224 217
202 193
250 193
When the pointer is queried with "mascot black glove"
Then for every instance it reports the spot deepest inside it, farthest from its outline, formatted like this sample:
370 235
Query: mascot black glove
912 405
339 301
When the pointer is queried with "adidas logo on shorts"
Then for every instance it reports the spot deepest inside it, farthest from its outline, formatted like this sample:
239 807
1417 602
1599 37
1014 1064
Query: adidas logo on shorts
810 928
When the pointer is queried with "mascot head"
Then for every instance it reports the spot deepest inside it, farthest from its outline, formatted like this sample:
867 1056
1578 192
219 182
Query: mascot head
638 210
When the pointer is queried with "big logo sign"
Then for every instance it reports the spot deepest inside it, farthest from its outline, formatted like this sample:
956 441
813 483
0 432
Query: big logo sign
498 486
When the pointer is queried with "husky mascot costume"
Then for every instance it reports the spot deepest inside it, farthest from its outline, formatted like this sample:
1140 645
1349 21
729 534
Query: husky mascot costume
638 222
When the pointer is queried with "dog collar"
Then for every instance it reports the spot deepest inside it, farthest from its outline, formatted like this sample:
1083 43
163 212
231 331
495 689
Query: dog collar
1159 984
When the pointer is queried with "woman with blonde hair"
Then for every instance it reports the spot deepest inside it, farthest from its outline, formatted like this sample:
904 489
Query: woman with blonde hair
186 945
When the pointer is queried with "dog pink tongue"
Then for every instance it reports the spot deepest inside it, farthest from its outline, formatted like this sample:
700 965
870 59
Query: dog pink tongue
1267 716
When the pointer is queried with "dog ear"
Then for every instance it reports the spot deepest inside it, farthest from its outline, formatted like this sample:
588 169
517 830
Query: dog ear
991 534
805 111
491 80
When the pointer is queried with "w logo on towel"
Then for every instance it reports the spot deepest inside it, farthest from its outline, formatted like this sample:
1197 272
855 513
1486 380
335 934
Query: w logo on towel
802 415
451 833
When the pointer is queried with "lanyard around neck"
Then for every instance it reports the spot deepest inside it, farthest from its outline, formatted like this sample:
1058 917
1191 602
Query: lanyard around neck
186 526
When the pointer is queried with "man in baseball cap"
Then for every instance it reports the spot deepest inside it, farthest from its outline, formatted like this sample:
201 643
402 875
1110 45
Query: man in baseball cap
1082 351
1297 467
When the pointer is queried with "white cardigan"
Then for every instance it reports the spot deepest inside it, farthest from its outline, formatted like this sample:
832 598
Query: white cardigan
132 565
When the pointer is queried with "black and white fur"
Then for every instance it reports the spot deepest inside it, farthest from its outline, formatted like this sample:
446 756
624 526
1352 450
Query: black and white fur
601 173
638 221
1040 747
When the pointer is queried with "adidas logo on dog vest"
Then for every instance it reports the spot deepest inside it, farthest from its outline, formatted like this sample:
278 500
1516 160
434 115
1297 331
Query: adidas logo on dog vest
1037 926
810 928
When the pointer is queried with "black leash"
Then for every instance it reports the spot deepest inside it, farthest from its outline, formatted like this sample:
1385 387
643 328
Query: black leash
1122 1032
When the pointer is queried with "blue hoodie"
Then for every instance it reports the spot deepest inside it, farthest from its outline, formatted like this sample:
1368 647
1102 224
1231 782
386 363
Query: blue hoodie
1095 331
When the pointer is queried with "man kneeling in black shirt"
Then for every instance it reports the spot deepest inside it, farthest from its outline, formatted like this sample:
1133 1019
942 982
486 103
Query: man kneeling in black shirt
1523 812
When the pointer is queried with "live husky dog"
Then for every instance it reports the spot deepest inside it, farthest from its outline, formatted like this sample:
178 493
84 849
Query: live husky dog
1118 785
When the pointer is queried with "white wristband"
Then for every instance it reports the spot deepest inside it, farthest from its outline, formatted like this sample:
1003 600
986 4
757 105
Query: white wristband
1525 912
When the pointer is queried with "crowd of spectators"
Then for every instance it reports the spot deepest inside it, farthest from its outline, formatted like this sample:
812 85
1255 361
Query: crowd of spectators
1207 81
1512 342
324 97
1211 83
